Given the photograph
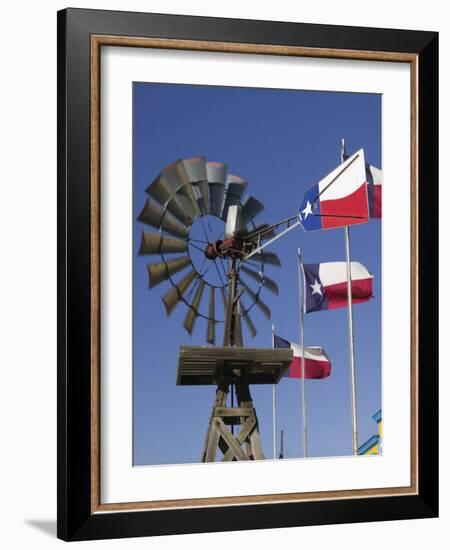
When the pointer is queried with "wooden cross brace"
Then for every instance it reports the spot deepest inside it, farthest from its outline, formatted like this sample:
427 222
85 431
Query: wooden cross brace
231 445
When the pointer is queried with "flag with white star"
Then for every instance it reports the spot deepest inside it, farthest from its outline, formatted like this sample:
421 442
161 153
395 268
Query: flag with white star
326 285
339 199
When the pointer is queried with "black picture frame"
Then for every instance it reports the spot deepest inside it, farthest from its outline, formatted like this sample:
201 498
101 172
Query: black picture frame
76 519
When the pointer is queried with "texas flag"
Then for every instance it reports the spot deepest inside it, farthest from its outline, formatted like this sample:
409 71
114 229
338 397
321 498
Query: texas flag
317 364
339 199
326 285
374 187
374 178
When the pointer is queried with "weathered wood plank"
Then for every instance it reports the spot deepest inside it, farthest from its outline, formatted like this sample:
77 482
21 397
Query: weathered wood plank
245 401
263 355
211 445
212 436
256 443
232 411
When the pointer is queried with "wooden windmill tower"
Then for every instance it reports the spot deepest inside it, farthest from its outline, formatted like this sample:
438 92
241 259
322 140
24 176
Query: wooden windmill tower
185 199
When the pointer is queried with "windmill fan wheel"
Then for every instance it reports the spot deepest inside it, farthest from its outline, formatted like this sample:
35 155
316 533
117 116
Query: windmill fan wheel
190 207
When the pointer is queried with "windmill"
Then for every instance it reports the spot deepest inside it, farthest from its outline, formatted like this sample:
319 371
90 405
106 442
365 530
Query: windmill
209 244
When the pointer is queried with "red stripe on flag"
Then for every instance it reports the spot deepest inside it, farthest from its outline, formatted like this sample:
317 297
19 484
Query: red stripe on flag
354 205
313 368
362 291
377 192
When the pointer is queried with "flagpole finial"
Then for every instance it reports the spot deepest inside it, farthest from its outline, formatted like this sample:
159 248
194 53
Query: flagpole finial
342 148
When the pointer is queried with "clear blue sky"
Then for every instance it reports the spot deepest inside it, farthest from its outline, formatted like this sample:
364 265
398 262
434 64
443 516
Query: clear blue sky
282 142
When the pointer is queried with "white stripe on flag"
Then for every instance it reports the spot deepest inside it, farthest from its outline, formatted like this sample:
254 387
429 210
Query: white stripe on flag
348 182
377 175
315 353
332 273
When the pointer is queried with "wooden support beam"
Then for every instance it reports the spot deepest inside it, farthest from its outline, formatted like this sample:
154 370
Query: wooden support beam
212 436
232 411
256 444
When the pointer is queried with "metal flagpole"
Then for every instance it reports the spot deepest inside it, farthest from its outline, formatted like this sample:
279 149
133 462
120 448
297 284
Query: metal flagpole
350 330
274 406
301 294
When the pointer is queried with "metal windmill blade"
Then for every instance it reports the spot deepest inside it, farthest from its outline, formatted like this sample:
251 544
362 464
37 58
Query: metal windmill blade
256 300
196 173
251 207
155 243
249 324
217 176
192 313
180 175
163 192
269 258
154 214
161 271
175 294
260 277
173 190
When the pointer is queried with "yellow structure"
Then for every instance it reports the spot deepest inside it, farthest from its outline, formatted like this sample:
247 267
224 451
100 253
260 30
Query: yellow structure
373 446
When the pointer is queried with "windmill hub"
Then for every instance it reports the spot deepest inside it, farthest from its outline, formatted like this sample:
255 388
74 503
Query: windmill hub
229 246
213 251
